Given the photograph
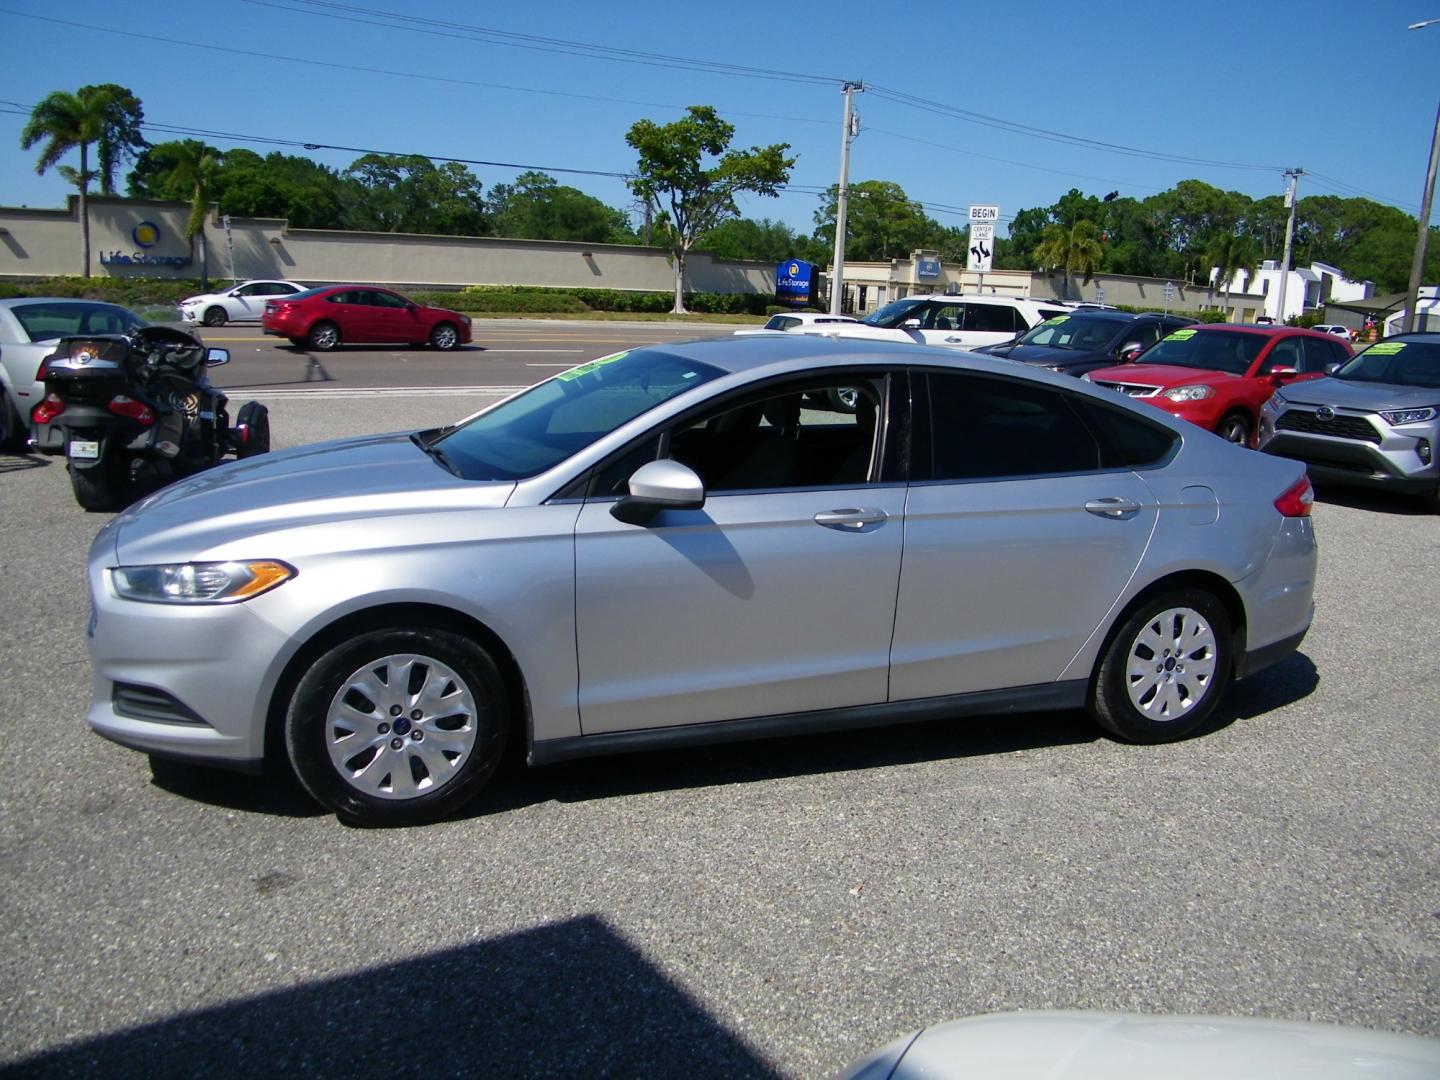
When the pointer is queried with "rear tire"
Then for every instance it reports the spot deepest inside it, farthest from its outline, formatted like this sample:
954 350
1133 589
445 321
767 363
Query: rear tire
215 316
324 336
1165 668
101 487
254 419
12 427
398 726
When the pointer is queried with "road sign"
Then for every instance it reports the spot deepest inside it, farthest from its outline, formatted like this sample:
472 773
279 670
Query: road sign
984 213
982 244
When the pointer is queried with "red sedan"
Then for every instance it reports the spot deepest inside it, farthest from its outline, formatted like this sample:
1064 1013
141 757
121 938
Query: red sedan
334 314
1218 376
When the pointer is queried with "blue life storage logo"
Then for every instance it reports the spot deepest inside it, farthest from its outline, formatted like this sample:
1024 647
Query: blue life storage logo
146 234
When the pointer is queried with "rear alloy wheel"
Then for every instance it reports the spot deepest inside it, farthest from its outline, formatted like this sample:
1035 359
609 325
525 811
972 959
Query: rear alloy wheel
445 336
1235 427
398 726
324 336
215 316
12 427
1165 669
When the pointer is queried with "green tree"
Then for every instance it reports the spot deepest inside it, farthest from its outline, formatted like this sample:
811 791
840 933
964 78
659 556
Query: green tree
120 137
688 196
762 241
63 122
1230 254
1074 249
881 222
410 193
191 167
536 207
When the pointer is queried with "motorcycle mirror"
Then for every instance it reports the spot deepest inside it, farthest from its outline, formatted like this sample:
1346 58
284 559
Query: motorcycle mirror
216 357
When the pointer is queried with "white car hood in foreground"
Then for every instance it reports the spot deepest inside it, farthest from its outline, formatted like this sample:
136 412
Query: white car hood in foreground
1128 1046
370 477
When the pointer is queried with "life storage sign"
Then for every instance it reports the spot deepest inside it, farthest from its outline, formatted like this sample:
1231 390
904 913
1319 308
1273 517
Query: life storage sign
794 282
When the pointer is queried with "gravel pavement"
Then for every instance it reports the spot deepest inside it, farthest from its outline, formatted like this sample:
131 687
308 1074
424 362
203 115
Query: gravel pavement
774 908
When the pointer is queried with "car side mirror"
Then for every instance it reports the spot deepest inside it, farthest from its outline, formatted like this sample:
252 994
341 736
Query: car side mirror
216 357
1130 350
657 486
1330 369
910 324
410 305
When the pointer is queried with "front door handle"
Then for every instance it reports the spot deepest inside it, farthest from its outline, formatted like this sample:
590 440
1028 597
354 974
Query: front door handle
1113 507
954 341
852 520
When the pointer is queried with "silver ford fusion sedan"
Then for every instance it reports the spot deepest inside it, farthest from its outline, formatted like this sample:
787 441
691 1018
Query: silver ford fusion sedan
685 544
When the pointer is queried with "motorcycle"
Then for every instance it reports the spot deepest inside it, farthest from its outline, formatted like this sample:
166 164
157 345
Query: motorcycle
132 412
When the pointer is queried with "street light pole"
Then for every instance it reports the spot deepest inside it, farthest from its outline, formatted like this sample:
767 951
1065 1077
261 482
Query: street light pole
837 269
1417 265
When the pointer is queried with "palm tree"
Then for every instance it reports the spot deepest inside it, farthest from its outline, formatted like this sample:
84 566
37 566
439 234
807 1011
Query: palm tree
1230 253
191 166
1075 250
64 121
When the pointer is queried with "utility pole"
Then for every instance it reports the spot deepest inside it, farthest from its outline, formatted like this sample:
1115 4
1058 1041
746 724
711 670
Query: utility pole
851 129
1293 175
1417 267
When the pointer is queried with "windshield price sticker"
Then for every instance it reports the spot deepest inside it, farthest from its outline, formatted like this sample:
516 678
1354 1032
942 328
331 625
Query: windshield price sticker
1388 348
1181 335
593 365
1056 320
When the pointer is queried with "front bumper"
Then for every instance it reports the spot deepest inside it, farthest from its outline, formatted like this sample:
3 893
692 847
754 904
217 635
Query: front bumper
1386 461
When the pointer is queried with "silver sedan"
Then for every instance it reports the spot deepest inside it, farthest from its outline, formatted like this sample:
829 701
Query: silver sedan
685 544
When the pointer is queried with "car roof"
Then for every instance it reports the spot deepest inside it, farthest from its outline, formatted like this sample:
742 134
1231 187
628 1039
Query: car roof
751 353
1261 330
16 301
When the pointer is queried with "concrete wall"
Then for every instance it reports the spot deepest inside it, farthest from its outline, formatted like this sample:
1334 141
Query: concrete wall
39 243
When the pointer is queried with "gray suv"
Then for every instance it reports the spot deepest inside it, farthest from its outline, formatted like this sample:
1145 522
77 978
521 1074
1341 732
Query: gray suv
1375 422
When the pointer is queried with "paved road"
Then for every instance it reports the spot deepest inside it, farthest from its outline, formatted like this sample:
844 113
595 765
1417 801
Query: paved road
510 352
753 910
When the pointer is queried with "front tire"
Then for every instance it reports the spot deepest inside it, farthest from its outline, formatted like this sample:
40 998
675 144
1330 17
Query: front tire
1165 669
324 336
1236 428
445 337
215 316
398 726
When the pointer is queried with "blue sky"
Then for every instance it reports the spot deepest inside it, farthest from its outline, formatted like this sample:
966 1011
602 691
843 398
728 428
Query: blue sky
1340 89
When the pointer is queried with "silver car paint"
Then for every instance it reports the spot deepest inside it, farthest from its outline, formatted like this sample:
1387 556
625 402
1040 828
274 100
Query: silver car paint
374 521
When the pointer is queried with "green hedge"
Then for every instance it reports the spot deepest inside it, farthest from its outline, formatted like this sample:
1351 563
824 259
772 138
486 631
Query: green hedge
127 292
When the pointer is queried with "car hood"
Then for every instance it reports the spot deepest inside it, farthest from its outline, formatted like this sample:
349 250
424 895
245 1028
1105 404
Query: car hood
203 298
1360 395
1044 354
218 513
1161 375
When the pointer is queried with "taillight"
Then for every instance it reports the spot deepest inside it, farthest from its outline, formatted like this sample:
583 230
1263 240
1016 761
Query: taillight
1297 499
138 411
47 410
42 369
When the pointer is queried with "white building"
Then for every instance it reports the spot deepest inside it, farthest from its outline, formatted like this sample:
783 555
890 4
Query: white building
1305 289
1427 312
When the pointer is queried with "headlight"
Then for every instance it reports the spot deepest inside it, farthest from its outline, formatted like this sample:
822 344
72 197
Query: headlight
199 583
465 319
1408 416
1188 393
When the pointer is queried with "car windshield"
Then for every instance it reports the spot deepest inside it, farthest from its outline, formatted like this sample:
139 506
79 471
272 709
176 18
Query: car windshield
1401 363
1072 332
306 294
895 312
46 322
540 428
1231 351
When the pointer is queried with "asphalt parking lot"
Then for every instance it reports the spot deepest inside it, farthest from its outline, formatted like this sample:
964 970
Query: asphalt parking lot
765 909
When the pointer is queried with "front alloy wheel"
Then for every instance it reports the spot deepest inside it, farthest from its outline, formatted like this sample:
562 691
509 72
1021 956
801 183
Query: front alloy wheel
397 726
1165 669
445 336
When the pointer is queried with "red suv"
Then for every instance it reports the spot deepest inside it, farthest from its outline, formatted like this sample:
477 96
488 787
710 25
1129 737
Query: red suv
1219 375
325 317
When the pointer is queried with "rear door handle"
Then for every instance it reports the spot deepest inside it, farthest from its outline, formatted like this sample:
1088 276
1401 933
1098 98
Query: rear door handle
1113 507
853 520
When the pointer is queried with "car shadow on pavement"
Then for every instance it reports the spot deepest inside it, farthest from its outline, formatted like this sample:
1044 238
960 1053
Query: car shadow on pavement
14 462
1382 502
572 998
276 792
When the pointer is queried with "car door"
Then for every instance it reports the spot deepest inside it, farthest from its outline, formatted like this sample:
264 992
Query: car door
1021 531
940 324
247 303
393 319
776 597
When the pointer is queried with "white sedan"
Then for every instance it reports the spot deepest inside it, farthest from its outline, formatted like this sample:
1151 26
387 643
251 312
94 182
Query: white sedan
242 303
798 322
